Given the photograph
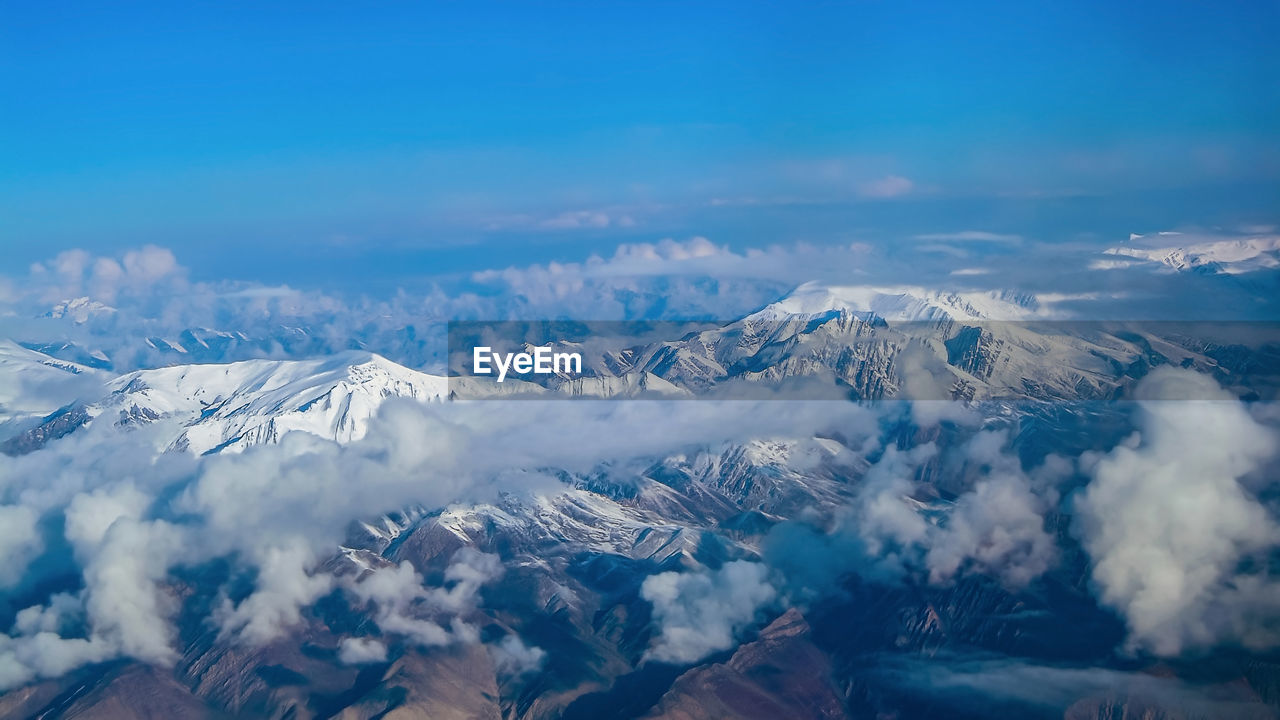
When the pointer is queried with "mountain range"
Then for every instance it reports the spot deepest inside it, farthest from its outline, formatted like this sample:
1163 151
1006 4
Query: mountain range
573 624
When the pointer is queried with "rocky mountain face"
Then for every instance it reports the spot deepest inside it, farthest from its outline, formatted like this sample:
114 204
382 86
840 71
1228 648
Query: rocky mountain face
577 562
780 674
910 344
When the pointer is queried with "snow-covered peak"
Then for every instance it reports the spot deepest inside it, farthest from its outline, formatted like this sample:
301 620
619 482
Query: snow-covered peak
13 355
1213 254
905 303
27 380
227 407
79 309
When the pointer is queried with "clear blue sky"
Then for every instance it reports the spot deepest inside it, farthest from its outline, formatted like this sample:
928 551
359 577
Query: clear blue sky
452 135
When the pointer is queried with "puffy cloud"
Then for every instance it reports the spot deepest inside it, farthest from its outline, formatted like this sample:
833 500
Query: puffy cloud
1170 524
139 309
46 654
73 273
286 584
130 515
394 592
106 483
123 607
91 514
149 264
125 603
63 609
882 516
468 570
252 497
669 250
19 542
995 527
513 657
357 650
124 559
698 613
401 598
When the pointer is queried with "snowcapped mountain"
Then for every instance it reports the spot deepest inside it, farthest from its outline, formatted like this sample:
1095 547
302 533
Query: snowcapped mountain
1210 255
24 372
906 343
862 342
576 555
79 310
904 304
232 406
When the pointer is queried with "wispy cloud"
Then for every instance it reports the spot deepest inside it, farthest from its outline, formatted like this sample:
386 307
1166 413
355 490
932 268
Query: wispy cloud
614 217
977 236
889 186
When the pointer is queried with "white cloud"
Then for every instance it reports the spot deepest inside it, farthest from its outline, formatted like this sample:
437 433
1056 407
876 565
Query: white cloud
695 277
994 528
581 219
698 613
74 273
357 650
668 249
404 605
997 528
1168 521
246 506
1059 690
577 219
979 236
286 584
513 657
19 542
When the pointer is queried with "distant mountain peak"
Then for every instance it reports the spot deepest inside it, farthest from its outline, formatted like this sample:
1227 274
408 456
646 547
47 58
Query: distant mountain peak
1211 255
79 310
905 303
229 407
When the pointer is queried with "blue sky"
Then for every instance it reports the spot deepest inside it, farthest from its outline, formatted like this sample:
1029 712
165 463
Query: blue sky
312 142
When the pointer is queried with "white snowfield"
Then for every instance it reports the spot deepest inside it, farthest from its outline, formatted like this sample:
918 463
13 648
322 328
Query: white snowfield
1232 256
907 304
23 373
228 407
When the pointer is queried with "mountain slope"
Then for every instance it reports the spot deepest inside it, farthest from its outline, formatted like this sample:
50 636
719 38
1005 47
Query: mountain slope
1213 256
31 382
908 343
233 406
